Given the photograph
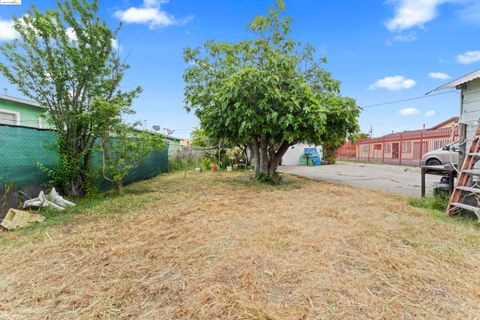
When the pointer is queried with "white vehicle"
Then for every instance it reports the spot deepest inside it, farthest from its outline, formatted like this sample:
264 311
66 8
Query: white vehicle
444 156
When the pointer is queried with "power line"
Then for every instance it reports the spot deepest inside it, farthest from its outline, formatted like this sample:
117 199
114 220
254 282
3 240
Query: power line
408 99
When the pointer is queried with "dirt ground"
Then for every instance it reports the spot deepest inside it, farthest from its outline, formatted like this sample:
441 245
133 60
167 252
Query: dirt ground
214 246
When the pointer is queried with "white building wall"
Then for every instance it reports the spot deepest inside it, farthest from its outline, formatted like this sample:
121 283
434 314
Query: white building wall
293 154
471 109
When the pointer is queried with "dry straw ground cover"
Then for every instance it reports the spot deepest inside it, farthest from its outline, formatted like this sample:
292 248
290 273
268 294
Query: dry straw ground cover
214 246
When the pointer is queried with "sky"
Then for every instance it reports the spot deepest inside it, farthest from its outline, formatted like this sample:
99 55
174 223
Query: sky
381 51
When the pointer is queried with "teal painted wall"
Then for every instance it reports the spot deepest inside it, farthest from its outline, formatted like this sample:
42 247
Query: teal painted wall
173 146
28 114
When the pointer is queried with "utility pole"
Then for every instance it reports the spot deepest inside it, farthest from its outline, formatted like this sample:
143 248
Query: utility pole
371 131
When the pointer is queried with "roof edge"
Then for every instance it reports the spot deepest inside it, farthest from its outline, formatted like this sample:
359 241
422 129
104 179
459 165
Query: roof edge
459 81
21 100
444 123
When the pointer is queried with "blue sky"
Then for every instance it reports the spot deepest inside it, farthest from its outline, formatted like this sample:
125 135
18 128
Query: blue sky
381 51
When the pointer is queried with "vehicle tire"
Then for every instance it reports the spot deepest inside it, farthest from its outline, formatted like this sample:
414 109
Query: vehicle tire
434 162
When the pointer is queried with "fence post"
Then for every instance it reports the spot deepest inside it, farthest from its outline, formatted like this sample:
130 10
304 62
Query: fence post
421 146
400 149
368 157
383 150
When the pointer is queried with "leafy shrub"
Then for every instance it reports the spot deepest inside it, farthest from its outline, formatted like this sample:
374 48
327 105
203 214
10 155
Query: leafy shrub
265 178
205 163
439 203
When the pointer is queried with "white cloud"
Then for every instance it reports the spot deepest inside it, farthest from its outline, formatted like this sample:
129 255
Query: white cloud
469 57
393 83
413 13
7 32
439 75
430 113
408 112
416 13
402 38
149 13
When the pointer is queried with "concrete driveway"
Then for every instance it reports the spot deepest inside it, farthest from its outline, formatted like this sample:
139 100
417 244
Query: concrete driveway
390 178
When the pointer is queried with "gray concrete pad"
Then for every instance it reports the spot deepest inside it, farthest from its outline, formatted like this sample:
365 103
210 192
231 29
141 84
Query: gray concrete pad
390 178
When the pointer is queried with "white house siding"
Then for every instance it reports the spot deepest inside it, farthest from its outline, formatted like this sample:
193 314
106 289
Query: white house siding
471 109
291 157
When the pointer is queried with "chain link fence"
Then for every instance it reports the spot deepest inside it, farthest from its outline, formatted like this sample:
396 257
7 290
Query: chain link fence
22 149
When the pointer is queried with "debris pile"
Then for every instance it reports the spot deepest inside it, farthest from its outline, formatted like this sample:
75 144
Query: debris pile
19 218
53 200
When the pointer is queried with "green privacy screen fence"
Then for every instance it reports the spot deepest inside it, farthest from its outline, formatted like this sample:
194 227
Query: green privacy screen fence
22 148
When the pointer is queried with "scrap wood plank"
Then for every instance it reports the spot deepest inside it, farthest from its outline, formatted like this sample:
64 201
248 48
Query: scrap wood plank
18 218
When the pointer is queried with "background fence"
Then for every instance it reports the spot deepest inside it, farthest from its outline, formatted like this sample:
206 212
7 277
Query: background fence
403 148
183 157
22 149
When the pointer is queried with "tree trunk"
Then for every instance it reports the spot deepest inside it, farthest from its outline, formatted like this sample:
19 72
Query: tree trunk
264 155
77 186
329 154
275 159
256 156
74 168
267 158
119 185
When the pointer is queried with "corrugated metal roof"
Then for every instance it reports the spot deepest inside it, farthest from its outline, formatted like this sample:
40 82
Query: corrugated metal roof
20 100
455 83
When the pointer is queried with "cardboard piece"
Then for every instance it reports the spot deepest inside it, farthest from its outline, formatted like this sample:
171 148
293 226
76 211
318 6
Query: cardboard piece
18 218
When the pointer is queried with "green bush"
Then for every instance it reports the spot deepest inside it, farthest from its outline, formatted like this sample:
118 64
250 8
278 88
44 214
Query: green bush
205 163
225 162
277 178
177 163
174 164
439 203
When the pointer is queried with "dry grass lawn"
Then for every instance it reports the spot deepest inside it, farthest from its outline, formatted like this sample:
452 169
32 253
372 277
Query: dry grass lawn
214 246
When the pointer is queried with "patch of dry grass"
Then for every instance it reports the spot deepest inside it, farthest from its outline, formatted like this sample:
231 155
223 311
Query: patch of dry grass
215 247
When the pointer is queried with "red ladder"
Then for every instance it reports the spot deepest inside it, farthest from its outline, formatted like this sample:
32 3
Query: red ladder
464 186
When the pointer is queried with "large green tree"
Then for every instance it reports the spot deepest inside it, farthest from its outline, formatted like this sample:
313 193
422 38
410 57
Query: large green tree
64 59
270 93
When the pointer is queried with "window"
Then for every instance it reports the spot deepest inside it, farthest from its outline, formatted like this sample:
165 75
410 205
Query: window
407 146
7 117
388 147
377 147
364 148
438 144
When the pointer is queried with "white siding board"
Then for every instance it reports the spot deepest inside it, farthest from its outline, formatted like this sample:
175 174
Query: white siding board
471 109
